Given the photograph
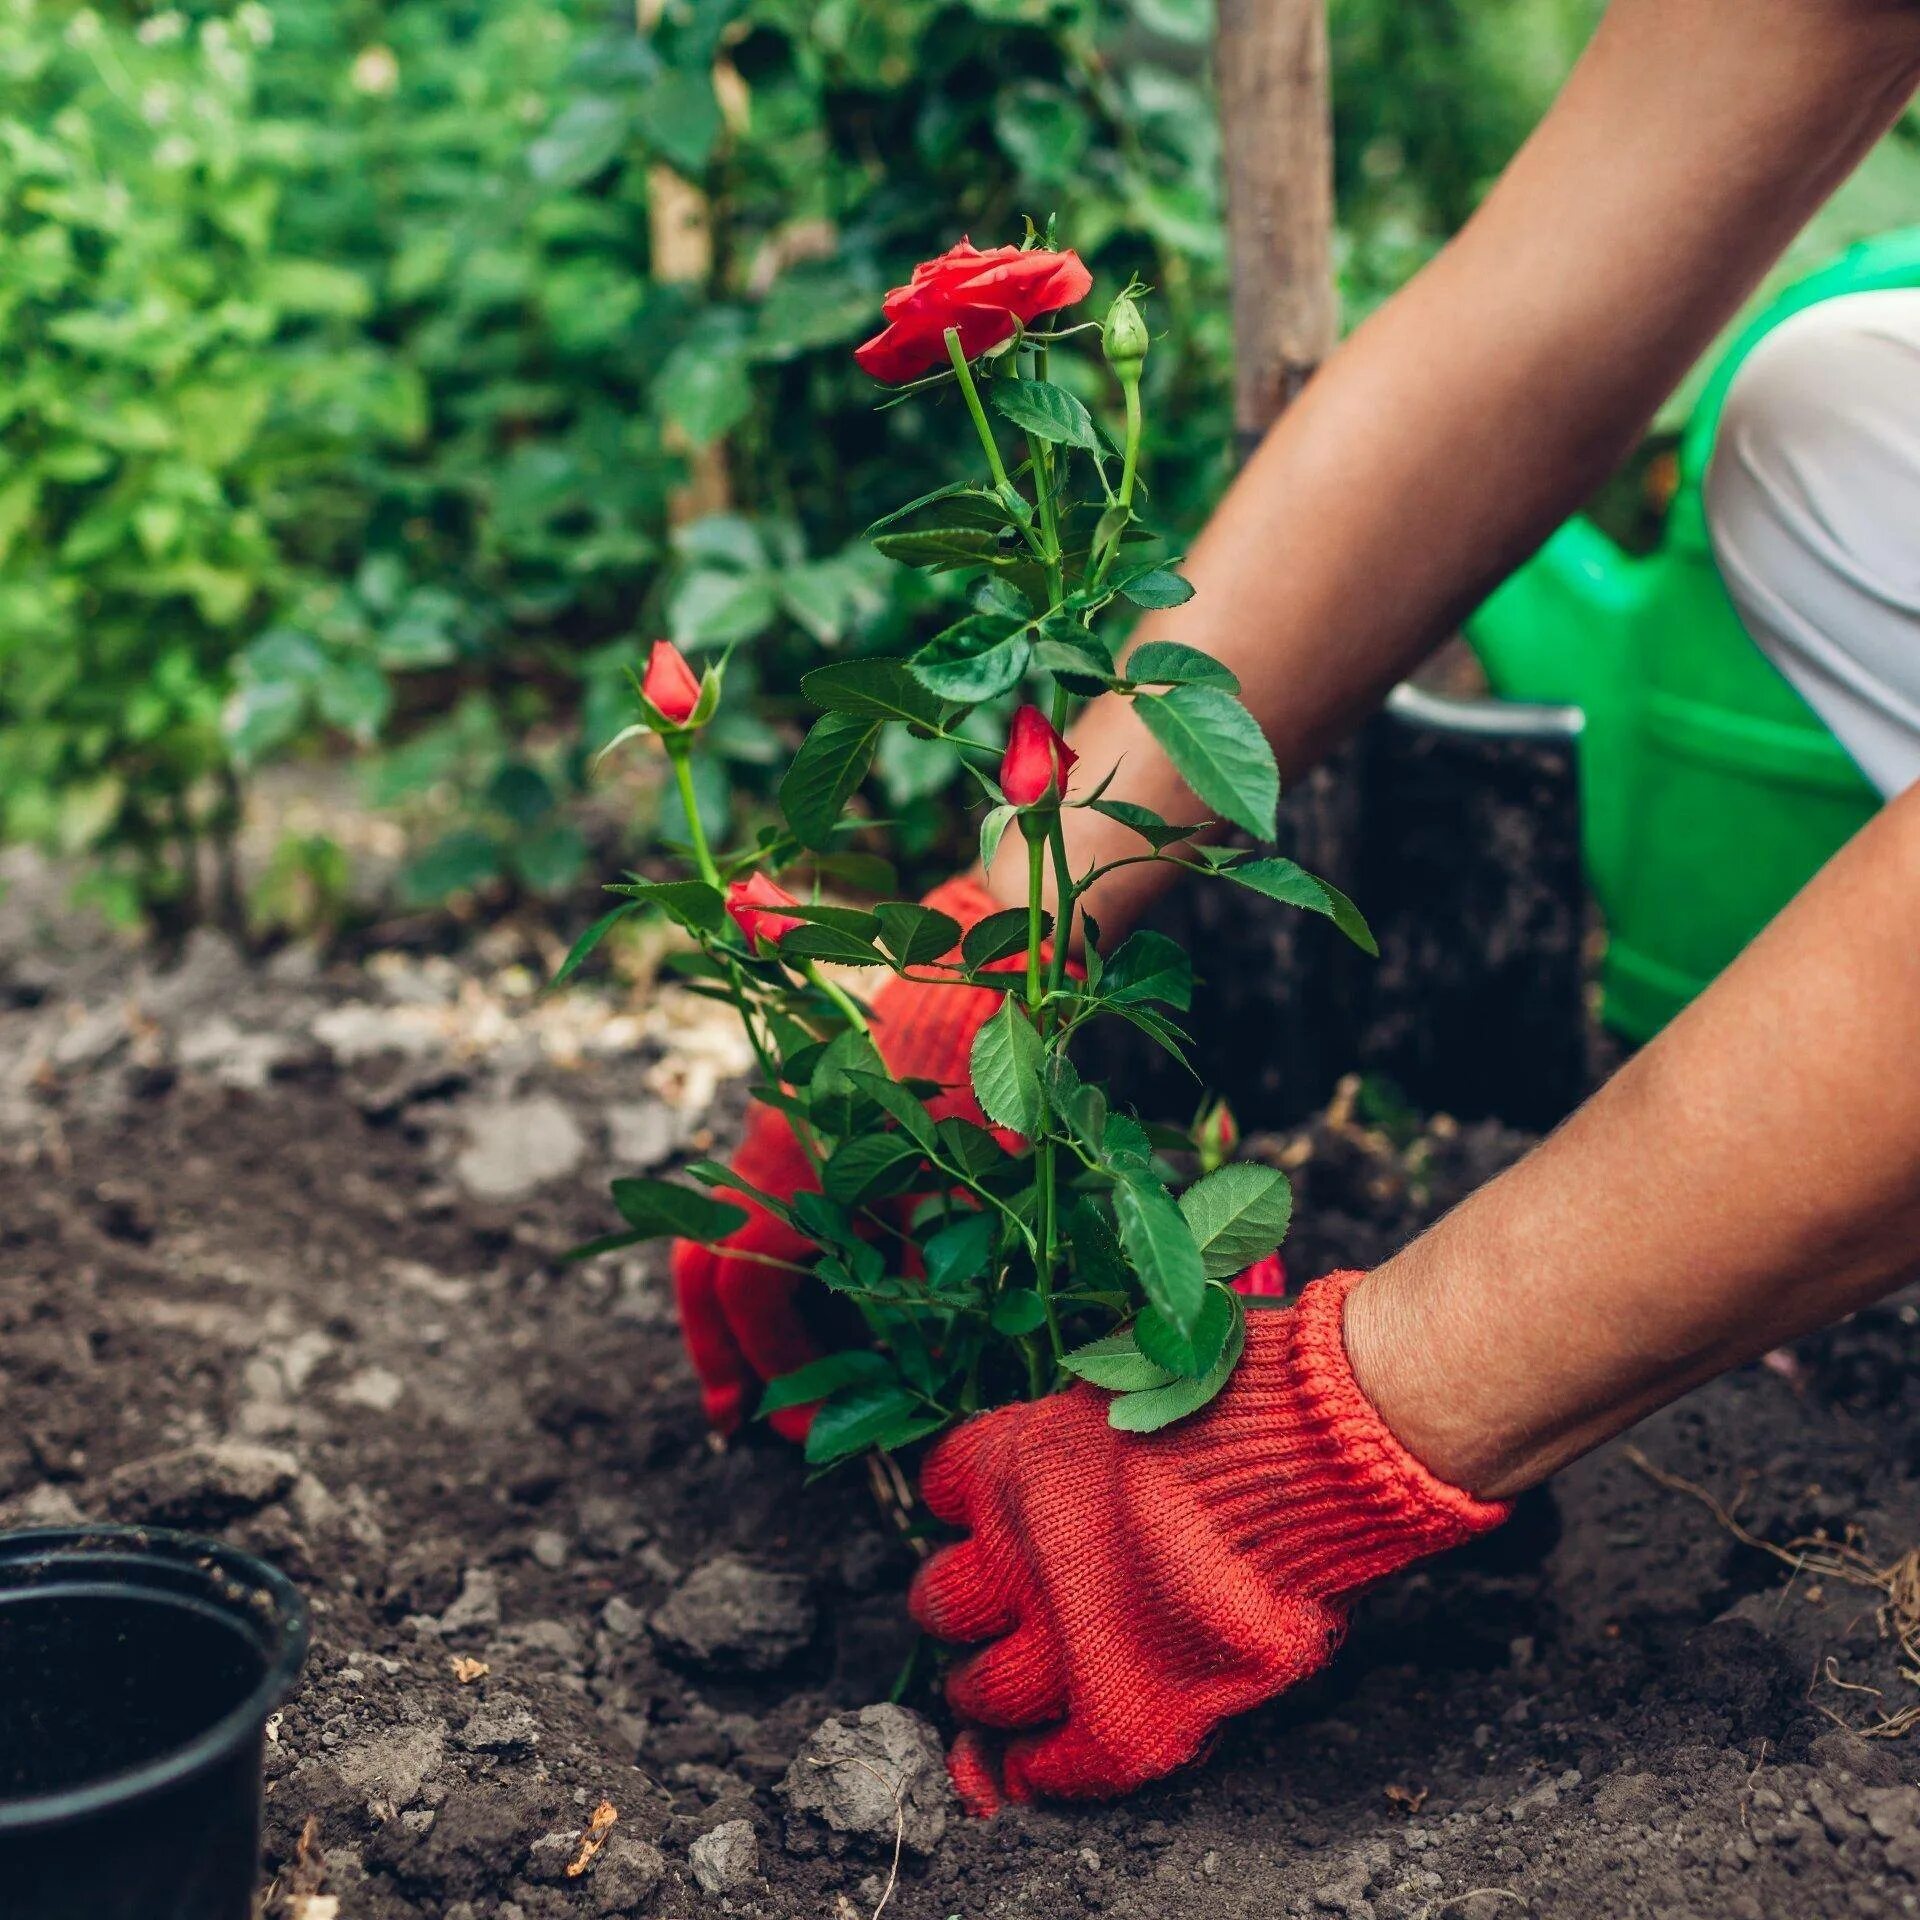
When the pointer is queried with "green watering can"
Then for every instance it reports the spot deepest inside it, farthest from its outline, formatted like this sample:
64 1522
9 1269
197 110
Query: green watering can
1709 791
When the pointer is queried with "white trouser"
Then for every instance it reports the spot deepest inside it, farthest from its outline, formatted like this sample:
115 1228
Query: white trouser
1813 508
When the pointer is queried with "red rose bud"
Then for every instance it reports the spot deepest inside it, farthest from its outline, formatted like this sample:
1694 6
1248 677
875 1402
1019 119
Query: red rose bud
753 902
1217 1134
1037 760
985 297
669 683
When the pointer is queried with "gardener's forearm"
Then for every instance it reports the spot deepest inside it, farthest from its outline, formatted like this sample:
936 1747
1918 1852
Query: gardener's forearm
1450 434
1752 1174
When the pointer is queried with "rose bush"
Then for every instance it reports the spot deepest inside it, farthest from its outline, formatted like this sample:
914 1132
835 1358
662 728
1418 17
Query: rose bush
930 1153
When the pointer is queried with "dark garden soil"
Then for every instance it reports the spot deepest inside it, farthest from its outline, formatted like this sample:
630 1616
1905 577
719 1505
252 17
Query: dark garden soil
279 1258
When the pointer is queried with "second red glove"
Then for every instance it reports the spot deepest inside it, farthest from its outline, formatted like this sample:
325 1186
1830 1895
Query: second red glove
1139 1589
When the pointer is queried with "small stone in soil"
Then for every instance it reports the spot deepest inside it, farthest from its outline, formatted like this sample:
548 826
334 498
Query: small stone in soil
504 1724
517 1146
208 1484
478 1604
865 1774
726 1859
729 1616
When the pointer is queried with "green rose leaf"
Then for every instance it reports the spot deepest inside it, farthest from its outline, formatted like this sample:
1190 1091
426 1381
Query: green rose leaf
1148 966
826 773
1157 587
578 953
1117 1364
818 1378
1047 412
1238 1215
883 689
1188 1356
1168 663
1007 1055
1219 751
916 935
658 1209
978 658
1286 881
1161 1249
1159 1407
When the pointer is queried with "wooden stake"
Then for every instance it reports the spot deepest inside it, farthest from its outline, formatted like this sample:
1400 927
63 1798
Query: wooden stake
680 233
1277 128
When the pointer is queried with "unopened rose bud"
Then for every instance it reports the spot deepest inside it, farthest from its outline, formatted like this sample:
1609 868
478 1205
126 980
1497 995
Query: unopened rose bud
1124 337
1216 1134
755 902
1037 760
669 684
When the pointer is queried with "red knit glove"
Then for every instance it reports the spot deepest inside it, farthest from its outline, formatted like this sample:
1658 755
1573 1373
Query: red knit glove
1140 1589
743 1320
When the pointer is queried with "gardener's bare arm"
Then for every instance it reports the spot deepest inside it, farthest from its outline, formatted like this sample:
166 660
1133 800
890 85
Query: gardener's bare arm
1754 1173
1457 427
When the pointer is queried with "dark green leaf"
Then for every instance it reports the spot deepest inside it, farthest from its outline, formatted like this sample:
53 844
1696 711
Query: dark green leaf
858 1417
978 658
880 689
1238 1215
900 1104
1047 412
998 935
658 1208
940 548
1159 1407
959 1253
1219 751
1144 821
826 773
584 946
818 1378
1117 1364
1160 1247
1193 1356
1285 881
1148 966
1157 587
1006 1059
871 1166
1168 663
915 935
829 943
1018 1311
992 830
1097 1259
692 903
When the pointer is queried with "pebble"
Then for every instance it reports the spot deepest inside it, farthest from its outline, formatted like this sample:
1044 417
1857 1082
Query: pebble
726 1859
862 1775
514 1147
208 1484
729 1616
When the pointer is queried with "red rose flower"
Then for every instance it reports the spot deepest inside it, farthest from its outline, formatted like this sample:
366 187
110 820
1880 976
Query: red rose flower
669 683
985 296
753 901
1264 1280
1037 760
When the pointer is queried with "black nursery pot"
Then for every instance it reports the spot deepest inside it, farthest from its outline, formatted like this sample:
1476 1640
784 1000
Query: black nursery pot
137 1670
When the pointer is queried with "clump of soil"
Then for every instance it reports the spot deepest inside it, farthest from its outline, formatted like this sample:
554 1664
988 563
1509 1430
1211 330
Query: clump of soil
280 1256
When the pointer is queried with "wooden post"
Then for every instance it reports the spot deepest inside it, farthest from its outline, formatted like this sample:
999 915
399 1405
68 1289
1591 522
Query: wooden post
680 236
1277 130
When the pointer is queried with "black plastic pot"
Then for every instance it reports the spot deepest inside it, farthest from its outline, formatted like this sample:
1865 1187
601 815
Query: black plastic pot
137 1671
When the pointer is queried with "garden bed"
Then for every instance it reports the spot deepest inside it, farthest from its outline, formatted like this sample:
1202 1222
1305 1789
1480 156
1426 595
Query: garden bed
279 1258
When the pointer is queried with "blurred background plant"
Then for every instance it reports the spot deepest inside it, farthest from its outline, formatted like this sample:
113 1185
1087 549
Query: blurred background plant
376 379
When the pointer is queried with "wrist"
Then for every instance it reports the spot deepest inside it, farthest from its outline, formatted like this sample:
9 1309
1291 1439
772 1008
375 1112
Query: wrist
1308 1476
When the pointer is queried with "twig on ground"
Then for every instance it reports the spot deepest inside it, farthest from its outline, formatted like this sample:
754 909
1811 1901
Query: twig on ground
898 1788
1897 1583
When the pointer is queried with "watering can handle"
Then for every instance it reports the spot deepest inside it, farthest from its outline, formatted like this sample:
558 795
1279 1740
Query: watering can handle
1486 718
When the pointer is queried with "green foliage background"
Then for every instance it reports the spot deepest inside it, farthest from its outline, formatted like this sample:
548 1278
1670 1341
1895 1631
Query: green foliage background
340 402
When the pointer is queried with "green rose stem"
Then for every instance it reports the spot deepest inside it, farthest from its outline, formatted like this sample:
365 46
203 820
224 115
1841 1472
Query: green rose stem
1038 825
838 995
971 394
679 748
